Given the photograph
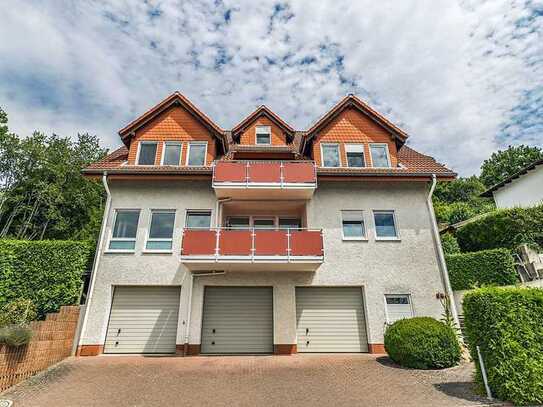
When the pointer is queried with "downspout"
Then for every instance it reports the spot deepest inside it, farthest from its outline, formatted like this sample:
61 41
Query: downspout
440 254
97 253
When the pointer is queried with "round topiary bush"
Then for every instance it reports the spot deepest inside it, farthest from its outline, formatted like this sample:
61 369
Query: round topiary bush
422 343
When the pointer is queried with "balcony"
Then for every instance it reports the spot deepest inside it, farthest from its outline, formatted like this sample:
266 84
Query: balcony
270 179
252 249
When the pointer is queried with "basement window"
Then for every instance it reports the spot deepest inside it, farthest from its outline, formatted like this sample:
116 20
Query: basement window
398 306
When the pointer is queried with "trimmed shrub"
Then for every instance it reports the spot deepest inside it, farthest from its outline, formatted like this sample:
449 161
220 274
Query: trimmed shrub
422 343
15 335
449 244
487 267
506 228
18 312
507 325
46 272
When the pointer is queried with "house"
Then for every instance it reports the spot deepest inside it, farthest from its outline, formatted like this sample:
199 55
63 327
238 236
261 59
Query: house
262 238
522 189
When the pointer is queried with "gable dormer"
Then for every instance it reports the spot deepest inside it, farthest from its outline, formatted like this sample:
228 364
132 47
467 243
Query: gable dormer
263 128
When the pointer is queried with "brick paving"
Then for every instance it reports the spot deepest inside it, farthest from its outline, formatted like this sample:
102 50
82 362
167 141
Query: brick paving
300 380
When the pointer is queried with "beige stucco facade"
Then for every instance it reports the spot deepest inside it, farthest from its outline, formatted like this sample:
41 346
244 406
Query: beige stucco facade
408 265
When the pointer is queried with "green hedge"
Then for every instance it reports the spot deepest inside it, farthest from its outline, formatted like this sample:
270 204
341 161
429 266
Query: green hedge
507 325
507 228
449 244
48 272
487 267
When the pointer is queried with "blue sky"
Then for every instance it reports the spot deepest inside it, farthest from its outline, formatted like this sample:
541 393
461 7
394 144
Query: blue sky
462 78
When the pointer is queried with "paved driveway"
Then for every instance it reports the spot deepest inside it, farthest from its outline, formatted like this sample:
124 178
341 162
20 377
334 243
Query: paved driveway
301 380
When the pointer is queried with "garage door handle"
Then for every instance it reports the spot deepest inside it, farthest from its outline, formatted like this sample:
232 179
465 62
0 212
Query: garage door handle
118 331
213 330
307 331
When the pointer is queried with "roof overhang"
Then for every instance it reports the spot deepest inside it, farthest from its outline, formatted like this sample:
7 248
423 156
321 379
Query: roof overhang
175 99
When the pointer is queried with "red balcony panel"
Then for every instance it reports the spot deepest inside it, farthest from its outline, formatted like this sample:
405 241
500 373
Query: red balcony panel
199 242
299 172
306 243
235 243
265 172
271 243
230 171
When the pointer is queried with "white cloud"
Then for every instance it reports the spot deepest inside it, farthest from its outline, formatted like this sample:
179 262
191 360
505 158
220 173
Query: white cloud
454 75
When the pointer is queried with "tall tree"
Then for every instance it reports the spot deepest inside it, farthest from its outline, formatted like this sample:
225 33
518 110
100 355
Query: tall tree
505 163
42 192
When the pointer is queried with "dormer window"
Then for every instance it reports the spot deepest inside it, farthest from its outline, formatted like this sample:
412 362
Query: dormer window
379 155
147 153
263 135
355 155
330 155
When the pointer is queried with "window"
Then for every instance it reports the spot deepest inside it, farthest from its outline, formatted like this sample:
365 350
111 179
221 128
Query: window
238 222
330 155
398 307
198 220
196 155
147 153
379 155
161 230
123 237
172 153
385 225
267 223
353 225
355 155
263 135
290 223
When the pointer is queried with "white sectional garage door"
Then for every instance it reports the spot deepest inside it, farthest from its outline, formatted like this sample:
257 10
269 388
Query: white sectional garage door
237 320
330 319
143 320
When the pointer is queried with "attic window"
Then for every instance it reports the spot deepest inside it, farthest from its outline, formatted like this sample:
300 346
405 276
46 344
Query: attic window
147 153
263 135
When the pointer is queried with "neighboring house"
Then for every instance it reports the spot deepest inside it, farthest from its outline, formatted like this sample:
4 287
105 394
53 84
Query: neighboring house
524 188
262 238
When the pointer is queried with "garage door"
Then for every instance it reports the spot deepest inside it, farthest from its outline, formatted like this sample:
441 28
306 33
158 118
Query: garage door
237 320
330 320
143 320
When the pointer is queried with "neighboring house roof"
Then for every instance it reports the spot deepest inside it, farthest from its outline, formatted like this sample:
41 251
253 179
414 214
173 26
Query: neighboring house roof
455 226
412 164
352 101
174 99
262 111
523 171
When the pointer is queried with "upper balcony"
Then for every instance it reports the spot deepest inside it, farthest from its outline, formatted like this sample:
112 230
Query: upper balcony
264 179
252 249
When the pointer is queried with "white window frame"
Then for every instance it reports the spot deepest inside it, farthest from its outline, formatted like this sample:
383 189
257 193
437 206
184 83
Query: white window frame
396 226
268 132
361 146
194 143
177 143
122 239
385 145
276 218
409 297
188 211
149 239
338 154
139 149
363 218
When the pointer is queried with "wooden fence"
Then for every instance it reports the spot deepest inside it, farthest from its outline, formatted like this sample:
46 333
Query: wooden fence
52 341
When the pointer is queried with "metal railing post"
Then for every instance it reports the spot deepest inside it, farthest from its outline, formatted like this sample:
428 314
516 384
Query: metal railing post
247 174
253 249
282 176
217 243
288 245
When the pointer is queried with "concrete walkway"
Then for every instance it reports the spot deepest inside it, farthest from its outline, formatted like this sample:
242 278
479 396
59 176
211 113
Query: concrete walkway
301 380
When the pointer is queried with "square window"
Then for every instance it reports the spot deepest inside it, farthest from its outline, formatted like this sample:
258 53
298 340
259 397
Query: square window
263 135
355 155
379 155
161 230
353 226
385 225
197 154
125 230
198 220
330 155
171 154
147 153
398 306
